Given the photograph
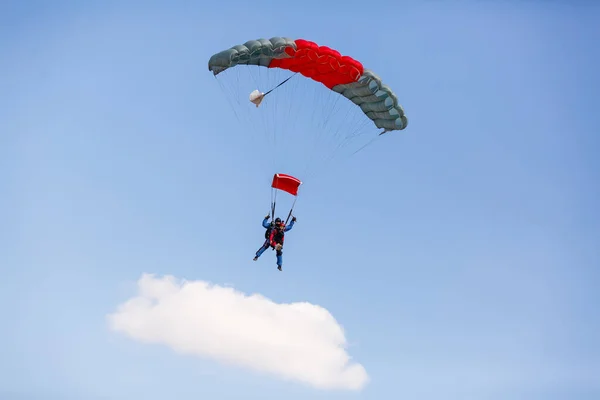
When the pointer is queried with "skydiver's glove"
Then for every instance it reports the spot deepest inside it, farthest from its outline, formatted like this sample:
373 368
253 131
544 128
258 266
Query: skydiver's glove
268 216
293 219
278 247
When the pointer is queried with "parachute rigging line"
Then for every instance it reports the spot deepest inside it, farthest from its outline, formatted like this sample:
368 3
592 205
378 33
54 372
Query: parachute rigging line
284 81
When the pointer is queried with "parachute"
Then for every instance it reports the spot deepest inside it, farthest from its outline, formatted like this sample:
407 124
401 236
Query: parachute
342 74
310 102
286 183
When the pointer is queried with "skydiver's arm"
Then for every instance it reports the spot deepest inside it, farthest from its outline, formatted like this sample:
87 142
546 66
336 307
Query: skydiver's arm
290 226
266 223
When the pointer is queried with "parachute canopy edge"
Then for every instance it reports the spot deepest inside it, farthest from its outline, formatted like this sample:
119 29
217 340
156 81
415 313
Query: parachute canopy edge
287 183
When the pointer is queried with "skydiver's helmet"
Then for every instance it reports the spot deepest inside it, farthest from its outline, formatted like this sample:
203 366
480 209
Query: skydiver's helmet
278 222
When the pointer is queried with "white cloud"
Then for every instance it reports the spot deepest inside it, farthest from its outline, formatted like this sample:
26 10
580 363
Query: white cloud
296 341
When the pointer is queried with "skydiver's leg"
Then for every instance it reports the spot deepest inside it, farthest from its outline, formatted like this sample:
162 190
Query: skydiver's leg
279 259
261 249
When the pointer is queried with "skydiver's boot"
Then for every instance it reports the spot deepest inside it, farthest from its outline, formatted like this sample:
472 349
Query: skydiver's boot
279 267
255 258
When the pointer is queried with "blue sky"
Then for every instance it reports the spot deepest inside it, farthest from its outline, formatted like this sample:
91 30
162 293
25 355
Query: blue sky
460 255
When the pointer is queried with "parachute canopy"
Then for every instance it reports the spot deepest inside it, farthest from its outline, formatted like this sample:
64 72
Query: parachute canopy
287 183
341 74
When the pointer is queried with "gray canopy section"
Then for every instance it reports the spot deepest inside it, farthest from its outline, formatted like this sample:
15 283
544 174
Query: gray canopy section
254 52
376 100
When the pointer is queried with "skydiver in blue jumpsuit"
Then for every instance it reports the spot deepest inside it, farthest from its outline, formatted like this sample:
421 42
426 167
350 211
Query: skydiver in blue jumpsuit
274 237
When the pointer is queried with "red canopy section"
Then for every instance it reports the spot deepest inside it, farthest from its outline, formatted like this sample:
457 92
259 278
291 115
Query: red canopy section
320 63
287 183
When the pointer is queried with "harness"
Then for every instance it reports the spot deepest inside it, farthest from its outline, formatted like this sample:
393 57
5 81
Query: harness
279 233
278 236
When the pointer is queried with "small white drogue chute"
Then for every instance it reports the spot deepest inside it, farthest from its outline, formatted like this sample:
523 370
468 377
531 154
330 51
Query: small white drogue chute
256 97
